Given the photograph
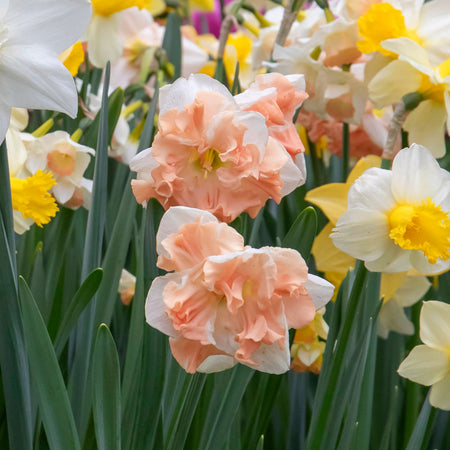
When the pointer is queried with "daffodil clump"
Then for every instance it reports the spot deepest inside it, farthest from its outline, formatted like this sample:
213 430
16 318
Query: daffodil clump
224 224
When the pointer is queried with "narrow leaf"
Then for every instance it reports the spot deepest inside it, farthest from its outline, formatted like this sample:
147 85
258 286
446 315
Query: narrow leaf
54 404
106 391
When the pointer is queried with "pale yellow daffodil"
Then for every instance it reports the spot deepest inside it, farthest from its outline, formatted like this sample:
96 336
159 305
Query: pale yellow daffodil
428 364
413 73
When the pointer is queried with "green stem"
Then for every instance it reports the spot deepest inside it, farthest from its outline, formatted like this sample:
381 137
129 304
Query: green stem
345 151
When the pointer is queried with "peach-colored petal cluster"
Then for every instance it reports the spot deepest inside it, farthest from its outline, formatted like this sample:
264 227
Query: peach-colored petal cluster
212 155
226 302
277 97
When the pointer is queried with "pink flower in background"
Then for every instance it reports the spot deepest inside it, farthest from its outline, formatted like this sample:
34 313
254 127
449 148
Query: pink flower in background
277 97
226 302
212 155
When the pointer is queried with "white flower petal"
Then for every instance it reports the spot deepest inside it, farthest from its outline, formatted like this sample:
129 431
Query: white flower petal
394 259
182 92
387 87
320 290
420 262
433 29
31 77
372 190
5 114
361 233
272 359
256 133
416 175
155 308
408 49
293 174
412 290
440 394
435 325
54 24
426 126
216 363
172 220
392 317
424 365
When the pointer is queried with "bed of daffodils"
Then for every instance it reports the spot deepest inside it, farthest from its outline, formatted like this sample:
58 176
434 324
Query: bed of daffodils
225 224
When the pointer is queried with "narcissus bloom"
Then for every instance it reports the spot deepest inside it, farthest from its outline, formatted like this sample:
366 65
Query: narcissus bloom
413 73
428 364
224 302
398 220
210 154
32 35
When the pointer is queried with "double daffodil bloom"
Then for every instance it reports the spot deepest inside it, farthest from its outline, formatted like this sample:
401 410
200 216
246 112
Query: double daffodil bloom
413 73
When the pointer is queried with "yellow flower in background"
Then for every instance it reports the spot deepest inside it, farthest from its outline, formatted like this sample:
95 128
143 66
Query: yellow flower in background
429 364
107 8
309 344
72 58
201 5
31 197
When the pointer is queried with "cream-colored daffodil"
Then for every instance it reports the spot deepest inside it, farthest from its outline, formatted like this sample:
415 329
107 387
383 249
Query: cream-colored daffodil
424 23
398 220
429 364
397 290
102 34
32 35
413 73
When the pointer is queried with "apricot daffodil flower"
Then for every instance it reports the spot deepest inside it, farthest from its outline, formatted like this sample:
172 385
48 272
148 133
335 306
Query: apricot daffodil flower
224 302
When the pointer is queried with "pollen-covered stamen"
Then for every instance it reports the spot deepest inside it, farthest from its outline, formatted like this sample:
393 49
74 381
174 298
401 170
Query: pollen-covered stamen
208 161
424 227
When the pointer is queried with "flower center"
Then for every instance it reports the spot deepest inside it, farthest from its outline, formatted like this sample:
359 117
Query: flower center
382 22
61 160
422 227
30 196
106 8
208 161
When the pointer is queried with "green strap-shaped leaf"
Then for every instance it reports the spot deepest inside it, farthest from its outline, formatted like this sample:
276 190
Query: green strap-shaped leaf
302 232
172 42
426 416
106 391
81 298
54 404
13 360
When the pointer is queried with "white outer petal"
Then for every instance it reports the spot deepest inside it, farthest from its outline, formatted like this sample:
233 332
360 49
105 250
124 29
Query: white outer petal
54 24
386 87
32 77
320 290
155 308
372 190
183 91
216 363
424 365
426 126
408 49
435 325
416 175
440 394
272 359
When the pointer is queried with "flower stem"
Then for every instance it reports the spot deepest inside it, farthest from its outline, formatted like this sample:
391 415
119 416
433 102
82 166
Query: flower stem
345 151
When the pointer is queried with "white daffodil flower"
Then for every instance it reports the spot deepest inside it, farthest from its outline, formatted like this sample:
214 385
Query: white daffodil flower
428 364
400 219
32 35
